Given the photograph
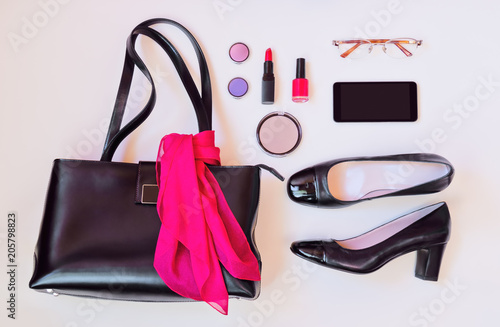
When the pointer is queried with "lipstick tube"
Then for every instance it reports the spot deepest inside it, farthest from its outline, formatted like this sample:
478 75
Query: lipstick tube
268 79
300 90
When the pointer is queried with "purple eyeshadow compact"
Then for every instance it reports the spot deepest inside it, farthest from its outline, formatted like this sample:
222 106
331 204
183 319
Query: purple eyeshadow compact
239 52
237 87
279 133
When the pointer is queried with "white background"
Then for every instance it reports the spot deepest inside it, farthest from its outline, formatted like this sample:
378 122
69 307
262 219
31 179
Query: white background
58 88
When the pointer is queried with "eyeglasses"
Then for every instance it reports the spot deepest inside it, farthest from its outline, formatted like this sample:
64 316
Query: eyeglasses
396 48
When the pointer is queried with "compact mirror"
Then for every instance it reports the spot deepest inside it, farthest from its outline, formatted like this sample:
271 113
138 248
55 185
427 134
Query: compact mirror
279 133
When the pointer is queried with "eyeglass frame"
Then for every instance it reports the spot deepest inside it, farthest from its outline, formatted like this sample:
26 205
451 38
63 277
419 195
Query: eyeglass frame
397 42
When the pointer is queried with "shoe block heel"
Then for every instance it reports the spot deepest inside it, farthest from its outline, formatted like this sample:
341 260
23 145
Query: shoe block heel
429 262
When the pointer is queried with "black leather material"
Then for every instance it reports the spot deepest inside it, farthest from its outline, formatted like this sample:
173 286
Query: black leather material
146 176
310 186
431 231
96 241
202 104
96 238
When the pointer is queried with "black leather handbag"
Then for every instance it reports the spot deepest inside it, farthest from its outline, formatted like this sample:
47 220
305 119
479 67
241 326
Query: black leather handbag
100 226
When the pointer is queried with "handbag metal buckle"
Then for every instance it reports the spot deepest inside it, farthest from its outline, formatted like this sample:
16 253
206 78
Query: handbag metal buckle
149 194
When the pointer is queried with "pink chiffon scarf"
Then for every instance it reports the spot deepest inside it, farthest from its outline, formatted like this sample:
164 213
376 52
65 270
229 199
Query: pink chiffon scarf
198 229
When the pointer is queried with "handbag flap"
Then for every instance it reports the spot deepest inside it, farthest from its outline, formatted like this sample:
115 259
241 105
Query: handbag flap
146 190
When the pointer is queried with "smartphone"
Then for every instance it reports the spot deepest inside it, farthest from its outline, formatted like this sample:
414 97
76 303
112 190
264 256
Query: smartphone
375 102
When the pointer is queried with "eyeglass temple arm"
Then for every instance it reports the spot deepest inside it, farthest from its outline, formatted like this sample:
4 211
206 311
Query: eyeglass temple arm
406 52
348 52
419 42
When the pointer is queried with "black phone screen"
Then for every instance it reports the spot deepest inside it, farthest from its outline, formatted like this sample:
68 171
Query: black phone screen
374 101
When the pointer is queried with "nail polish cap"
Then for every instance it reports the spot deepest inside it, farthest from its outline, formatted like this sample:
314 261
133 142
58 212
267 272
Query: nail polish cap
301 68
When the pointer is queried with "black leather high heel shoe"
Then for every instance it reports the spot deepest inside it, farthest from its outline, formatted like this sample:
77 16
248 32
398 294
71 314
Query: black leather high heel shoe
348 181
426 231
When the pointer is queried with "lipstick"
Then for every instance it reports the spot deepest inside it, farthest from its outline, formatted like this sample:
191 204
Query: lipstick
268 79
300 91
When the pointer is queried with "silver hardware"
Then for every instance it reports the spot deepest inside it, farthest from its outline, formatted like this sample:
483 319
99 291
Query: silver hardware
142 195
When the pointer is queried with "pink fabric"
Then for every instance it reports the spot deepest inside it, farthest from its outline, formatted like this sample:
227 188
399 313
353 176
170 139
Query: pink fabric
198 228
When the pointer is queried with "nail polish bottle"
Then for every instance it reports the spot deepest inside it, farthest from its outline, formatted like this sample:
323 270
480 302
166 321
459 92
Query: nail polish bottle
300 91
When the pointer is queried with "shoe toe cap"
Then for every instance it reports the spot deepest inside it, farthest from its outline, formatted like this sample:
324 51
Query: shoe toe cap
312 250
302 187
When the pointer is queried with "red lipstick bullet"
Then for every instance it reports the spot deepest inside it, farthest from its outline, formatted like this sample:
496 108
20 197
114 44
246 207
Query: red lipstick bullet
268 79
300 91
269 55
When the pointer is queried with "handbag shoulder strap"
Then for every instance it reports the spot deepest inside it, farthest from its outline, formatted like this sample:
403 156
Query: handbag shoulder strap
202 103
